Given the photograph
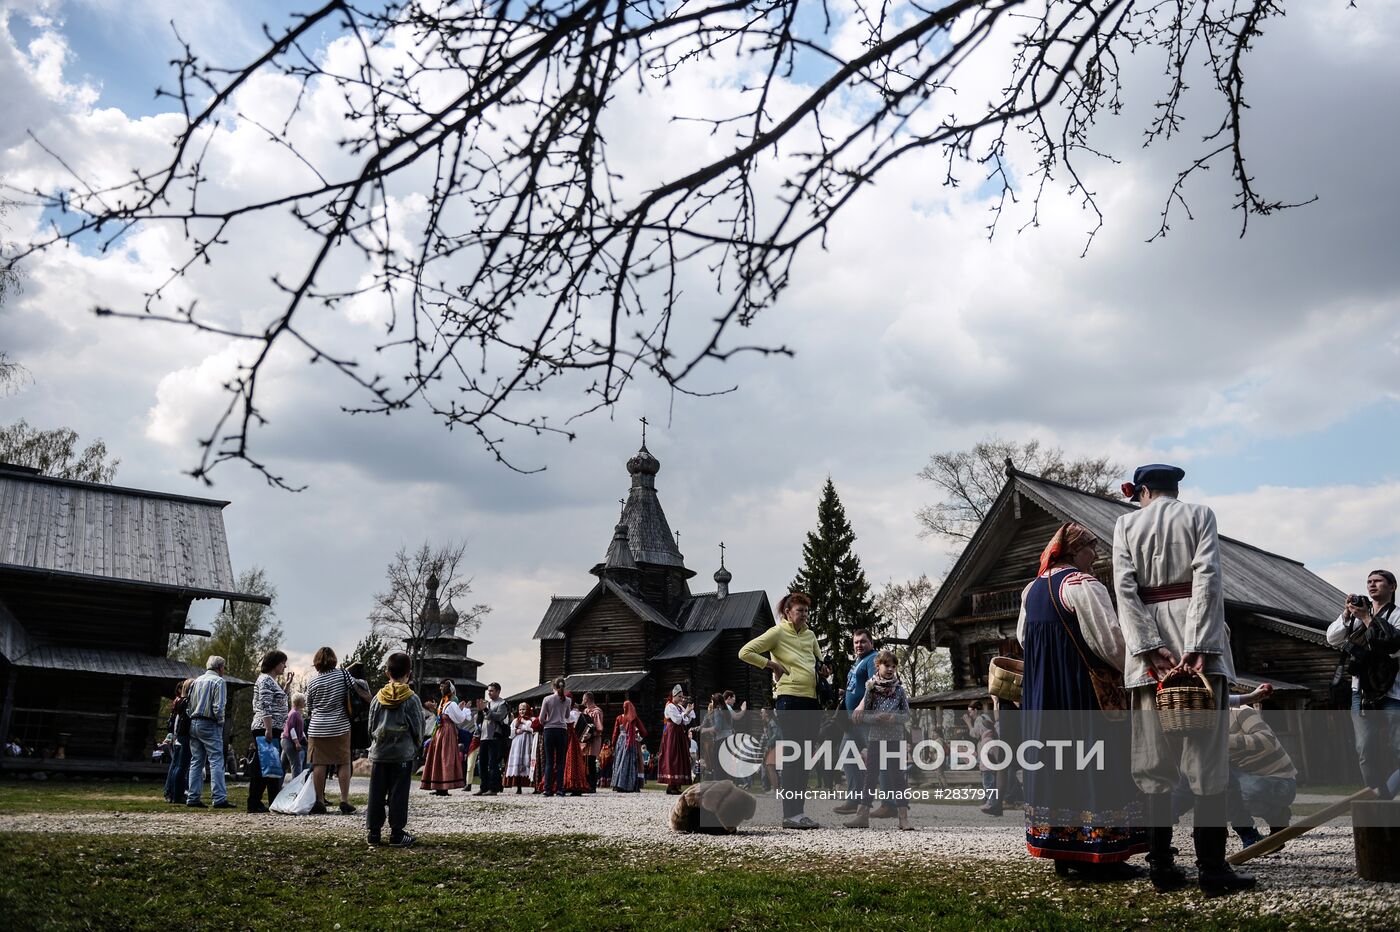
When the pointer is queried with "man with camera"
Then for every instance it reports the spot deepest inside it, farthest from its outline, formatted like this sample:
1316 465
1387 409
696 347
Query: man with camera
1367 632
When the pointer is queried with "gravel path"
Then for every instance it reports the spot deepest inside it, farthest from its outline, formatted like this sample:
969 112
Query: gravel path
1315 871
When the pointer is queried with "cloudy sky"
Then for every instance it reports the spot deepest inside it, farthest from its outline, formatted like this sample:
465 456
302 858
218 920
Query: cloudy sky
1268 366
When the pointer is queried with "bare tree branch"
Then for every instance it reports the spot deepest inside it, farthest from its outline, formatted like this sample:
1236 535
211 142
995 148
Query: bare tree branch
535 265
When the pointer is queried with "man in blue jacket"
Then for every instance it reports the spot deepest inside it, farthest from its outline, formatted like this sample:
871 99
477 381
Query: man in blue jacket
864 649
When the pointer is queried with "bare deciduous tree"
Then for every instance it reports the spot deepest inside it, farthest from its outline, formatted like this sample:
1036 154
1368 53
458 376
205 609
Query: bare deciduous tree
534 260
971 480
398 610
901 605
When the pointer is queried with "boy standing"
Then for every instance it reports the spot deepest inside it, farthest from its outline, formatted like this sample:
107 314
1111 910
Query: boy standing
396 728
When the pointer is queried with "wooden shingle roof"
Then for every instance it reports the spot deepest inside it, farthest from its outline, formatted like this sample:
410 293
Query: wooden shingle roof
560 608
1255 580
126 536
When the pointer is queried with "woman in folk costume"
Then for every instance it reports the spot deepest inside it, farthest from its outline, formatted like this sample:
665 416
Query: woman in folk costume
537 764
627 736
673 769
521 761
575 768
1078 817
605 765
442 765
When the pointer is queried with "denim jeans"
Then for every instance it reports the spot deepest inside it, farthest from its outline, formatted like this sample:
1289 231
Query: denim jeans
799 718
178 776
1269 798
1378 741
389 783
855 777
206 747
293 757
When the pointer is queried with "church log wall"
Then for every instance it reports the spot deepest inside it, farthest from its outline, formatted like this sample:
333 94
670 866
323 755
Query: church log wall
608 628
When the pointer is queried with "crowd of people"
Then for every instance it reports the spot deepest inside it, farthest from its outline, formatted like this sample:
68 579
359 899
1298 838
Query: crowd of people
1088 663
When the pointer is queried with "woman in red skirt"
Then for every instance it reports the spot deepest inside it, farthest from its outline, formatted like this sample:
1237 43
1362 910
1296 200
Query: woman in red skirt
575 768
673 769
442 764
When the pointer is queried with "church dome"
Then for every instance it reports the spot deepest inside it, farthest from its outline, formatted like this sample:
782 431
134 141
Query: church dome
643 463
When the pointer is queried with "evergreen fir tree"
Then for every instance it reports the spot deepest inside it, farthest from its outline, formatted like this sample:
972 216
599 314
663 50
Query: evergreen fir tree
832 575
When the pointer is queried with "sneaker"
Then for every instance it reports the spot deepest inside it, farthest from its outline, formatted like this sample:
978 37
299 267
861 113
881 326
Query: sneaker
196 804
884 811
802 821
347 809
846 809
1249 836
318 808
403 841
224 804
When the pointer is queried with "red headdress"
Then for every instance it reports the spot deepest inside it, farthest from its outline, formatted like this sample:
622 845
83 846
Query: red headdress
1069 538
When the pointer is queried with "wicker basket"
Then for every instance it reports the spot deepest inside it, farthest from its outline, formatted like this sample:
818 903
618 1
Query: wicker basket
1185 703
1004 677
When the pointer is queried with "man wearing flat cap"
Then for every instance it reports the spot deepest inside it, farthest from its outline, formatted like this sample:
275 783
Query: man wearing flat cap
1171 606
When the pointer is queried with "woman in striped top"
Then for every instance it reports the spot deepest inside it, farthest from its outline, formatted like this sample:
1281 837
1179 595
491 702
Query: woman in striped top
327 698
269 717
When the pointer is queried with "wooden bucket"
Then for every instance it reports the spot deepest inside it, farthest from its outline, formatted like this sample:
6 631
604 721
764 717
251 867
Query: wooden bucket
1185 703
1004 677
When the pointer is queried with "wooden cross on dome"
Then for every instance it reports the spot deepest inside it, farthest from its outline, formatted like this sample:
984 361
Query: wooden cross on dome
644 421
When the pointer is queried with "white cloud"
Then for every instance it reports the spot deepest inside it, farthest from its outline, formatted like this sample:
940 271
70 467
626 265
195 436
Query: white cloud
913 334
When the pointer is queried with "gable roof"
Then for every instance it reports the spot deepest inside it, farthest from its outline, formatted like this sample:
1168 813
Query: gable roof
1255 580
687 644
63 527
551 626
707 612
563 609
579 683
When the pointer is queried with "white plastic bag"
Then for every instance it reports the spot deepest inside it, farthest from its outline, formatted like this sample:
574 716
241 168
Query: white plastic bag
298 796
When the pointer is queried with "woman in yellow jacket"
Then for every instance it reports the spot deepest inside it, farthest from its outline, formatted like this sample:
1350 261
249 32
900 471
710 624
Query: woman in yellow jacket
794 657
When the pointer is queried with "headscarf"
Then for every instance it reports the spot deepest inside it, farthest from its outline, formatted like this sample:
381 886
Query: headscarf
1069 538
629 711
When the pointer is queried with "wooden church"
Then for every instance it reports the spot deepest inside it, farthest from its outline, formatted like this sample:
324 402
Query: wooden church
1278 612
640 630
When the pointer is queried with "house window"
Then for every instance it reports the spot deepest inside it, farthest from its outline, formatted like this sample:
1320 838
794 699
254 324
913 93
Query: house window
600 661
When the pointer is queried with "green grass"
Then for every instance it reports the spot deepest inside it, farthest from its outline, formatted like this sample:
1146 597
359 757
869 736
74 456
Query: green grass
92 795
279 881
242 878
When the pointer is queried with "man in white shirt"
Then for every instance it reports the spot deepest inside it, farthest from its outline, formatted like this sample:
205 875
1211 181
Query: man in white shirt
1366 630
1171 605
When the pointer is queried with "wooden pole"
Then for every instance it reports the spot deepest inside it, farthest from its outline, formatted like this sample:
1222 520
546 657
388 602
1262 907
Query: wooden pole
1273 842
